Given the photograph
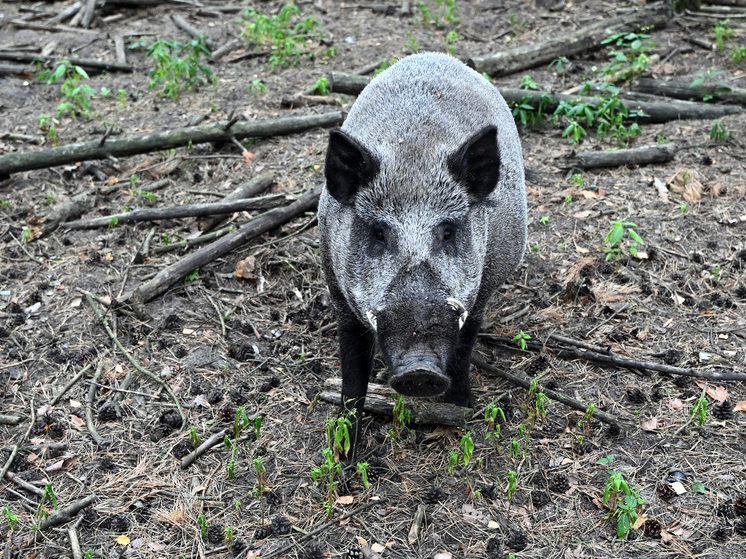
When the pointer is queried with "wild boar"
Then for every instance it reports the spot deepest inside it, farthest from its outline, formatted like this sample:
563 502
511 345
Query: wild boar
422 217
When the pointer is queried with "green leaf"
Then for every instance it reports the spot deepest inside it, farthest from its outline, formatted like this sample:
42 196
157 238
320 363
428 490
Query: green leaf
615 235
698 487
635 236
622 526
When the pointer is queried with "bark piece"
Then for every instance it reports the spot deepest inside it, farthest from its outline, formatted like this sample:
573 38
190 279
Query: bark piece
187 210
177 271
143 143
685 91
380 400
67 210
659 153
90 8
414 530
65 514
582 40
249 189
85 63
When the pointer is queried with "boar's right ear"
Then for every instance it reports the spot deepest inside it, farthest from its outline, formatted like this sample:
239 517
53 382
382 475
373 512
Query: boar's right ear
476 164
349 167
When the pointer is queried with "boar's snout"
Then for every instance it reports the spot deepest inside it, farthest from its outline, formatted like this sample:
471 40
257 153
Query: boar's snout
419 374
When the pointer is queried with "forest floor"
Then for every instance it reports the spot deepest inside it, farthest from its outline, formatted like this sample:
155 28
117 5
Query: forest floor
266 342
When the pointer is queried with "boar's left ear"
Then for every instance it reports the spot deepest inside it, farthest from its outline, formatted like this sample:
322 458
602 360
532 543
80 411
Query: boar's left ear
476 164
349 167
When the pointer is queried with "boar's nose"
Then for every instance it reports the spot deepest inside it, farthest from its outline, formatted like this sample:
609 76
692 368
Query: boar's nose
419 374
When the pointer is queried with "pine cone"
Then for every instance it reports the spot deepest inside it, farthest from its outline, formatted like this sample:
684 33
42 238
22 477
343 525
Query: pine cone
263 532
313 550
216 534
637 396
493 544
671 357
559 484
722 533
740 292
658 394
739 506
540 498
723 410
355 552
614 432
683 382
652 528
238 547
432 495
281 525
741 527
273 499
536 366
725 510
518 540
666 491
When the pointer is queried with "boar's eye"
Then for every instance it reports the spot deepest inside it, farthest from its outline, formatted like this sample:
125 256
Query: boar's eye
447 233
379 235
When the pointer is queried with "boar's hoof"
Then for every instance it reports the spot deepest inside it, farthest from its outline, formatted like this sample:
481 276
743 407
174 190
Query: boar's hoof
421 380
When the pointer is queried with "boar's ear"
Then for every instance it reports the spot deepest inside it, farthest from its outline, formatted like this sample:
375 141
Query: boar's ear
349 166
477 163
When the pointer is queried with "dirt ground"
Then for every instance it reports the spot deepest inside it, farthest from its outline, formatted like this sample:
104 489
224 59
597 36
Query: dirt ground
268 342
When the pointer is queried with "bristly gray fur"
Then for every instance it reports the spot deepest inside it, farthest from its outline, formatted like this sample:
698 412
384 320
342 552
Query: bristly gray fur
412 118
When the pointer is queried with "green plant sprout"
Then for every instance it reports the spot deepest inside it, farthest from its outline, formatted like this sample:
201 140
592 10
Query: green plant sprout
587 417
202 523
512 487
521 338
683 208
577 178
625 509
613 241
113 222
515 448
26 235
722 31
144 193
629 55
240 422
719 132
10 518
568 199
411 43
699 411
261 482
193 276
560 66
608 460
175 72
338 441
321 86
738 54
48 495
544 219
78 95
257 88
491 414
50 198
229 536
362 468
527 82
451 40
285 33
47 127
193 437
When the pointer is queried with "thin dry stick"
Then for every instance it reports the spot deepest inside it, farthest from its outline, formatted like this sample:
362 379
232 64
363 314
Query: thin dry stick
133 361
65 514
551 394
16 446
217 438
100 441
73 380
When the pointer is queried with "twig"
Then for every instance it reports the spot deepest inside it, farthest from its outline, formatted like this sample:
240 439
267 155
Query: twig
321 528
217 438
133 361
72 533
16 446
10 419
25 484
570 402
188 243
65 514
100 441
73 380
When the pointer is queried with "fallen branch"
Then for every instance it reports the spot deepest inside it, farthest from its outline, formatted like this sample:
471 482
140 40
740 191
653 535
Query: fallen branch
12 69
172 212
683 90
623 424
16 446
659 153
216 439
65 514
177 271
73 381
662 111
221 131
99 440
246 190
182 24
582 40
380 400
24 484
51 60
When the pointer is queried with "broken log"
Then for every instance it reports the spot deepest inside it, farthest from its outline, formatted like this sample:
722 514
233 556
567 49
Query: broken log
686 91
182 24
12 69
380 400
659 153
247 190
88 64
659 111
173 212
179 270
221 131
582 40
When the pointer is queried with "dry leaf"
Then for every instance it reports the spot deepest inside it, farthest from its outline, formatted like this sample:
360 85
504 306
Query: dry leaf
588 194
687 183
678 487
361 540
123 540
676 404
740 406
650 425
640 521
56 467
248 156
582 215
245 269
346 500
660 186
76 421
378 548
574 270
445 555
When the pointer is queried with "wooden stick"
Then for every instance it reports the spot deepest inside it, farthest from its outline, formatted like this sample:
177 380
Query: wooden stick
182 24
99 440
65 514
683 90
380 400
414 530
661 111
584 39
187 210
246 190
177 271
85 63
88 15
130 145
658 153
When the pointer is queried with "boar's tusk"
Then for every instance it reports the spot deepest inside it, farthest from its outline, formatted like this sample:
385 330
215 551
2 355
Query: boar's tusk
458 306
372 320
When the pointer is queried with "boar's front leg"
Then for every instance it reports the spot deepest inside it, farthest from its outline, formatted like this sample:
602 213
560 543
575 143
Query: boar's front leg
356 346
458 369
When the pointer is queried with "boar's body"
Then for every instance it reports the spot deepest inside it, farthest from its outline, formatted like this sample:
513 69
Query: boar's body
422 217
